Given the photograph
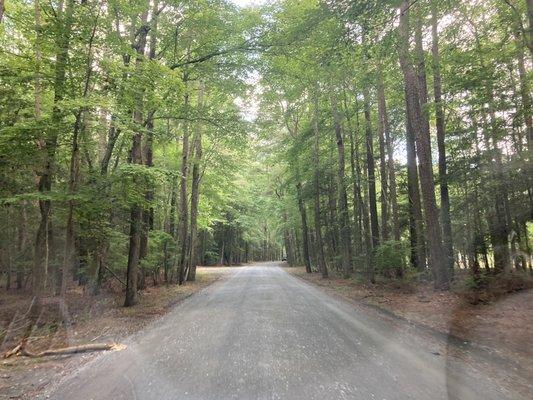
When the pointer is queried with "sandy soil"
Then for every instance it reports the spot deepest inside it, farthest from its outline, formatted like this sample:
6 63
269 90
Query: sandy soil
93 319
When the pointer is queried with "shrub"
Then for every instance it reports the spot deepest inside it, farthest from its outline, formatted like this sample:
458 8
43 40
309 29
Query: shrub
390 259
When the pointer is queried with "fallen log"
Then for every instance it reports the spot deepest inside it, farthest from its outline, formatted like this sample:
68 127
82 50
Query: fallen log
21 350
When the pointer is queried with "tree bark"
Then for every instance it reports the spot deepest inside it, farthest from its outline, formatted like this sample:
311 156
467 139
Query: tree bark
318 225
383 127
184 212
441 134
305 229
136 158
423 148
195 190
390 156
356 179
148 154
43 241
371 168
69 253
529 33
344 218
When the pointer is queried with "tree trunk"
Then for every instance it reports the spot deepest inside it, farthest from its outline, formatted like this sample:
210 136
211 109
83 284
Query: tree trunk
423 148
331 223
148 156
390 157
136 158
318 225
529 33
416 225
372 198
195 190
305 229
344 217
499 216
184 212
383 127
69 256
69 253
525 94
356 179
22 233
441 133
43 241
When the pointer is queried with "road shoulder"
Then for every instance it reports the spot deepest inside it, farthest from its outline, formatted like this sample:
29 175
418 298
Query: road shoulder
93 320
482 334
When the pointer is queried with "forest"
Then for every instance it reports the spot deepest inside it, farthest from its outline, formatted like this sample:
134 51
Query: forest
378 140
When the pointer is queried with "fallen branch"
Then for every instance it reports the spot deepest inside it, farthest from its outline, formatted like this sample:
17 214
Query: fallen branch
21 350
115 276
13 351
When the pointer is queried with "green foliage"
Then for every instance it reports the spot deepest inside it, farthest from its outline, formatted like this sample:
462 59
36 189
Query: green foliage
269 77
390 257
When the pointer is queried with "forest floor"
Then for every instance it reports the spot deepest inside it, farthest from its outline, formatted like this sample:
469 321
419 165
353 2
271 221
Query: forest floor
94 319
499 325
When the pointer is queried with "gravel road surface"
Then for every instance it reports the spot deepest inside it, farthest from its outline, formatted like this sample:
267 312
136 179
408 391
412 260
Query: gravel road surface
264 334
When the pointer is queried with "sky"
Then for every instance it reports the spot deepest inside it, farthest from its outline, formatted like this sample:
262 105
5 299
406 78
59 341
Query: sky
246 3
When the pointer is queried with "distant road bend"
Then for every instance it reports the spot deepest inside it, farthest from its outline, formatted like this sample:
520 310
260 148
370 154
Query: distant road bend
263 334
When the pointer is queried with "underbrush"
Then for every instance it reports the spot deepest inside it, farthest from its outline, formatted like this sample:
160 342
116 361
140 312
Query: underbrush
489 288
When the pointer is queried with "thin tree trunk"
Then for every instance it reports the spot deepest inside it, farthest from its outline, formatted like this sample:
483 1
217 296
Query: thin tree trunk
372 198
136 158
499 216
441 133
344 217
390 157
420 62
529 33
305 229
184 212
356 179
38 268
383 127
367 227
318 225
195 190
331 223
68 258
69 253
148 155
43 241
22 230
525 94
